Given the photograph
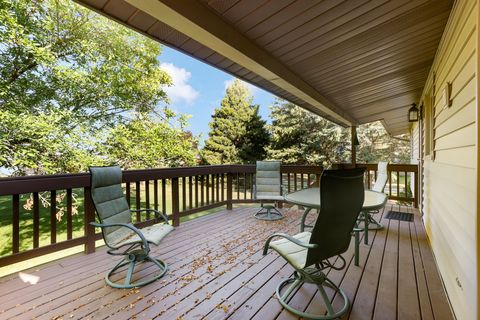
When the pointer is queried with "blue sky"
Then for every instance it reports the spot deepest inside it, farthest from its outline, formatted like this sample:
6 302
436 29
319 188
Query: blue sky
199 88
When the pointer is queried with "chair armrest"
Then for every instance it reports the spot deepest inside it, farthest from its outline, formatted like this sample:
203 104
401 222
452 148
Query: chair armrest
289 238
133 228
158 214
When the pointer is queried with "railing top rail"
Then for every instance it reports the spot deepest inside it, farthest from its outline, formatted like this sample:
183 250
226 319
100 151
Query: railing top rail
39 183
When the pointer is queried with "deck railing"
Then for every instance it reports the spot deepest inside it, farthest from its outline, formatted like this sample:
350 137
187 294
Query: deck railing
45 214
402 182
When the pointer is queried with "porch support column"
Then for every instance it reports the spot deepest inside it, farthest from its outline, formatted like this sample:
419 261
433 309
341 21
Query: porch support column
354 147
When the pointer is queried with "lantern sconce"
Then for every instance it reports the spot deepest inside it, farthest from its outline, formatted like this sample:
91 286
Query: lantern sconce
413 113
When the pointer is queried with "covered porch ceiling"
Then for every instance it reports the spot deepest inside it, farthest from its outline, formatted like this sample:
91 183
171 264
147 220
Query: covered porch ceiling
352 62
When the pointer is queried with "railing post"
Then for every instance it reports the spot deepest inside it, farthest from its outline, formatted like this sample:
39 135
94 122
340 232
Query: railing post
229 190
175 203
89 217
416 192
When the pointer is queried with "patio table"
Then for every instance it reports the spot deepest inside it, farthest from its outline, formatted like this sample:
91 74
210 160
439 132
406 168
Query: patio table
310 199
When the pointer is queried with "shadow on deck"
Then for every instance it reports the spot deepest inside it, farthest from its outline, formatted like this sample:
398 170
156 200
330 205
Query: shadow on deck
217 271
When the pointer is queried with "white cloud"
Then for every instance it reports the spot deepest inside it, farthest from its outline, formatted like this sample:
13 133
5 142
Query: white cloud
250 87
180 91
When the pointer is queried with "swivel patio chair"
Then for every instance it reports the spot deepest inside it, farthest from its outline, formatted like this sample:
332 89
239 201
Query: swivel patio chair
379 186
268 188
342 195
120 235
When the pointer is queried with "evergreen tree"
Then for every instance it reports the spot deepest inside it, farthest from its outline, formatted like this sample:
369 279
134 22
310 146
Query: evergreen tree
230 139
253 144
301 137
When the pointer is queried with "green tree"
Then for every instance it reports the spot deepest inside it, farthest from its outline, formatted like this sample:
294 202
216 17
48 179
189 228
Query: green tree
67 75
253 145
301 137
145 143
231 137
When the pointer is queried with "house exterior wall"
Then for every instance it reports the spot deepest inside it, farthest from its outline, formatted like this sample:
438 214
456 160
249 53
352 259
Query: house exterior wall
450 163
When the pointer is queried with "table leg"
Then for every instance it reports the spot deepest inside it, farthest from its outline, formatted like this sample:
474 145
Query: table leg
302 222
365 223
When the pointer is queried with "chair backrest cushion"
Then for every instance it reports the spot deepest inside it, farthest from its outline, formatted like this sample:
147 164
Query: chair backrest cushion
341 199
382 177
110 204
267 179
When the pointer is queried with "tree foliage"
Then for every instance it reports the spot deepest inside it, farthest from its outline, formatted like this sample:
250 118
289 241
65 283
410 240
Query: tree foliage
301 137
145 143
231 129
252 146
377 145
67 77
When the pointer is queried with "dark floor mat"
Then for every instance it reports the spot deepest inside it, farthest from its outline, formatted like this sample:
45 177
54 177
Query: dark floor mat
401 216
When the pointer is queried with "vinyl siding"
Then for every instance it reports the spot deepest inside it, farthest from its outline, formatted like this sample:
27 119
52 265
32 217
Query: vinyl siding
450 174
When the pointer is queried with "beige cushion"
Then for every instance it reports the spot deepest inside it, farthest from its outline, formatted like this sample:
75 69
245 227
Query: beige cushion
154 234
294 254
267 184
382 177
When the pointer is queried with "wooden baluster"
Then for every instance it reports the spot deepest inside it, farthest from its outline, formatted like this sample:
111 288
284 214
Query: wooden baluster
175 202
223 186
288 183
155 194
407 194
127 192
369 181
202 190
53 216
389 183
184 193
147 198
244 185
416 192
398 184
308 181
36 220
196 192
295 181
137 200
15 223
164 196
217 181
238 185
190 192
69 214
229 190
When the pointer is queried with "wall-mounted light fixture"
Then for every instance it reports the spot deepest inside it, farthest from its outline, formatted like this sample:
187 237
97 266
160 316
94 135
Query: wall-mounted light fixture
413 113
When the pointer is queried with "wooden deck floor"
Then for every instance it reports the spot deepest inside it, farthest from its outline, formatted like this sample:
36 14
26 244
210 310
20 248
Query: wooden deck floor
217 271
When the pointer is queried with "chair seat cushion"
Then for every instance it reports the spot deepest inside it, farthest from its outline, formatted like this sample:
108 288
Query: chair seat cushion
154 234
293 253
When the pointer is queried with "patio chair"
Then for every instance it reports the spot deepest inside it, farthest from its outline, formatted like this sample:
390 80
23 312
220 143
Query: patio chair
268 188
342 196
120 235
380 183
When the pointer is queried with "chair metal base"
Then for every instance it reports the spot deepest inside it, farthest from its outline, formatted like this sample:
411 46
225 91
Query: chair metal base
131 260
268 213
296 281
